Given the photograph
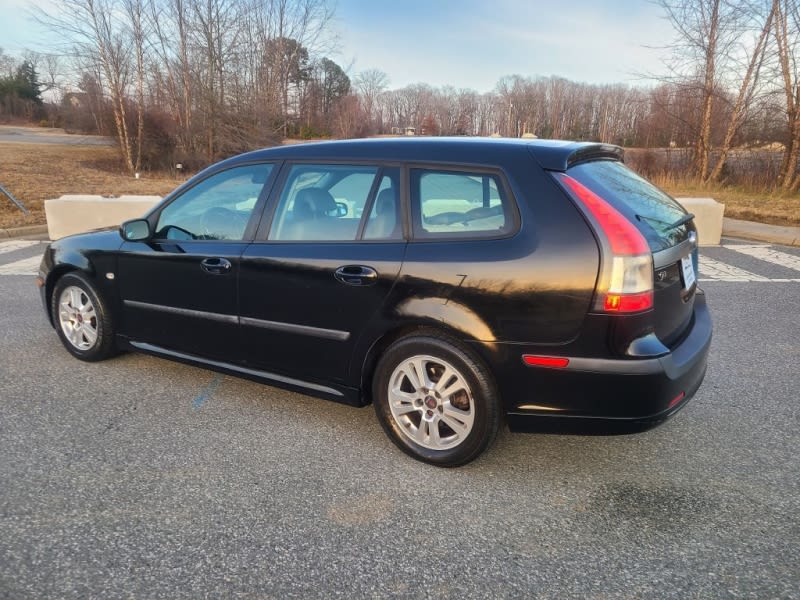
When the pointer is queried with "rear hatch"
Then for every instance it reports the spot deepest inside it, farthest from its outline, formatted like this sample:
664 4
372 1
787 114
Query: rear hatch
669 231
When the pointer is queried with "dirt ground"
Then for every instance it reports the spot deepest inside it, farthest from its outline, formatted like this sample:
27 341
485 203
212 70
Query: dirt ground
36 172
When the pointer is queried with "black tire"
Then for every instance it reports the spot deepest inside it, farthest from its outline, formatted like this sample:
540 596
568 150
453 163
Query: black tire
90 338
423 429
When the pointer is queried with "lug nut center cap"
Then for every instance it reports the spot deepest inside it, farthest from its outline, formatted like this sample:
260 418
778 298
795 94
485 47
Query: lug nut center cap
430 402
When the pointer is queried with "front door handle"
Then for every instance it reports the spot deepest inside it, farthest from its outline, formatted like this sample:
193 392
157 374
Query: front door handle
356 275
216 266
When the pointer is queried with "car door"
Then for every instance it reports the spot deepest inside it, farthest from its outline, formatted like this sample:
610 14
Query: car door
179 288
321 270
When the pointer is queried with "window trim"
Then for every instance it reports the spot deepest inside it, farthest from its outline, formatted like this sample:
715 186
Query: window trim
401 175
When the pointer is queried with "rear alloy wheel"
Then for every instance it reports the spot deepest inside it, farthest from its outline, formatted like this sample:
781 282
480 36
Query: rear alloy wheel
435 400
81 319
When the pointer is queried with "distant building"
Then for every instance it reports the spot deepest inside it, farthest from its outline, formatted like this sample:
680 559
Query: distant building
404 131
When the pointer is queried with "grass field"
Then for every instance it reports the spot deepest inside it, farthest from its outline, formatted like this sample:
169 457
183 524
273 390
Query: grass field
764 206
34 173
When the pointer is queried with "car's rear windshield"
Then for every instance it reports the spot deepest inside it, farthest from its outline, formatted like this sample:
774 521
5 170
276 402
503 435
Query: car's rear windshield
653 212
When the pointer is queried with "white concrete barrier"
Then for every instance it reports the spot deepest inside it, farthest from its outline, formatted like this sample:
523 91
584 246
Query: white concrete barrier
708 215
74 213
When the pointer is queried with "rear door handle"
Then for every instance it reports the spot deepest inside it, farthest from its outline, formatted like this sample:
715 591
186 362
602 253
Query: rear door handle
216 266
356 275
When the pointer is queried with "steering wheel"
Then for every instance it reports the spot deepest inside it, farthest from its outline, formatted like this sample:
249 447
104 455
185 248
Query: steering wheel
217 221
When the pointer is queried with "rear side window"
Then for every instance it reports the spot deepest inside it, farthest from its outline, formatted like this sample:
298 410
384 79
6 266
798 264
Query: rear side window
323 203
455 204
652 211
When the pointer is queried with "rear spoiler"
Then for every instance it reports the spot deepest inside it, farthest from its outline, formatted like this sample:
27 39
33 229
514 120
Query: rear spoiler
563 156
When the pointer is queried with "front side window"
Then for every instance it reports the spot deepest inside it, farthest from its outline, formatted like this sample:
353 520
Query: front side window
459 204
217 208
323 203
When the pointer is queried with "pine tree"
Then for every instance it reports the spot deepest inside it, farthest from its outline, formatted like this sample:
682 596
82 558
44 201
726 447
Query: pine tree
27 83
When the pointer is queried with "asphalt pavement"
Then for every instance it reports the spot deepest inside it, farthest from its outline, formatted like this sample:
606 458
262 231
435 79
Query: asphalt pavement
47 135
139 477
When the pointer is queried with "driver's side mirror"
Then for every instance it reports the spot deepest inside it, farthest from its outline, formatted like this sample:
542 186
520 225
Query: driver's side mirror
137 230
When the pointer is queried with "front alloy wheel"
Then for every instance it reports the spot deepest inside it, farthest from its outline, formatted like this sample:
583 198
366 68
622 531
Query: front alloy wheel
81 318
77 318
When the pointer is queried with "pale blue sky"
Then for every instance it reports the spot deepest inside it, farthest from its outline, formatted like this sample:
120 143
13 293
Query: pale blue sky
466 43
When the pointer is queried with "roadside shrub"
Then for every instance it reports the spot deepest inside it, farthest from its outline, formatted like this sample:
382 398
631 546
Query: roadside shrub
158 141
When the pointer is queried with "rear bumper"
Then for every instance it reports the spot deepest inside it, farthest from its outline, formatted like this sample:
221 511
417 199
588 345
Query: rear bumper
636 392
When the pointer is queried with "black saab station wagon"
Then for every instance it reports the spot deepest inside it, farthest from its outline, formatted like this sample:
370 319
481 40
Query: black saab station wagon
452 283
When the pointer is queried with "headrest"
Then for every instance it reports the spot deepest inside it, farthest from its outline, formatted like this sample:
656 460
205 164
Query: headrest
318 200
386 201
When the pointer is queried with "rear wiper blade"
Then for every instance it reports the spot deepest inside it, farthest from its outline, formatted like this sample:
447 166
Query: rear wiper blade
683 220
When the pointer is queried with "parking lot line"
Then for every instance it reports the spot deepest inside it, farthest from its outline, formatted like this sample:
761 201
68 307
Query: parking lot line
719 271
208 391
14 245
26 266
769 254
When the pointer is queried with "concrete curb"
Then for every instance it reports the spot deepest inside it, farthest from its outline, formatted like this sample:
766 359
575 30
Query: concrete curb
761 232
16 232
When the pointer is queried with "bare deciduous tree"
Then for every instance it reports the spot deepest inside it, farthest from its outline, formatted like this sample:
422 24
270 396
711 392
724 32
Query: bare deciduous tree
787 38
370 84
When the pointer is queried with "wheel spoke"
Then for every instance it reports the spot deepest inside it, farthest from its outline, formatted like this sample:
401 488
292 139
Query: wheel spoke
433 430
403 408
458 420
90 333
74 336
64 312
87 312
446 376
420 433
415 371
398 396
457 386
75 298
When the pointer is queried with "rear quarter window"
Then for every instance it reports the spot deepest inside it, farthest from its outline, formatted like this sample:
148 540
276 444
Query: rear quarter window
456 204
651 210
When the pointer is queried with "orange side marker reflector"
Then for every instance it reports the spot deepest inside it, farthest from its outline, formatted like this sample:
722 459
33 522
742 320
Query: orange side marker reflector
554 362
39 282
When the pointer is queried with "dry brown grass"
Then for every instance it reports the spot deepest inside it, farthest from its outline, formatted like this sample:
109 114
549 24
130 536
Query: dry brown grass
749 203
34 173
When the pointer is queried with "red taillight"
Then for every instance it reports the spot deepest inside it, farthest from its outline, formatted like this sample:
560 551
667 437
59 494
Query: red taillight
626 285
624 238
628 302
555 362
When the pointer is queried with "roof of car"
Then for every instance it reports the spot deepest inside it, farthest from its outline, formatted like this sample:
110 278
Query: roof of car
551 154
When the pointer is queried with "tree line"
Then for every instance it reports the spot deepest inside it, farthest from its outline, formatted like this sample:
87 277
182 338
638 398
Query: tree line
20 94
195 80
